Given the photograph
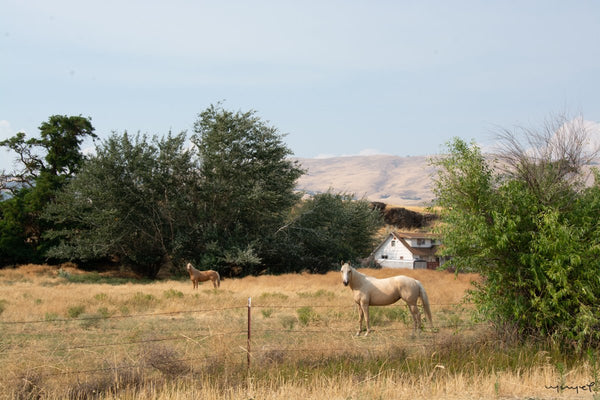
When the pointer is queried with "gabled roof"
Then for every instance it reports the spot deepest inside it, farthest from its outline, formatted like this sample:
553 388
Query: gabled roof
417 251
414 235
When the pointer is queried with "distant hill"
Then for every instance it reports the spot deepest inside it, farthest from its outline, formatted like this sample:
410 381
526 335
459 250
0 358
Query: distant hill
394 180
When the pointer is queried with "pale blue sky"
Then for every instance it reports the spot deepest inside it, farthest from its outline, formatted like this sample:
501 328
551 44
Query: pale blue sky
338 77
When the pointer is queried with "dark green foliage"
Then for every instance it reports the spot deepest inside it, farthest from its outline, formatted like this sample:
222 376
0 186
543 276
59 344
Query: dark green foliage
247 191
14 247
537 254
135 199
44 165
325 230
229 203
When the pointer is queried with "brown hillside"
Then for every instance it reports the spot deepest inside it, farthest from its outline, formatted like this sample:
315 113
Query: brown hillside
404 181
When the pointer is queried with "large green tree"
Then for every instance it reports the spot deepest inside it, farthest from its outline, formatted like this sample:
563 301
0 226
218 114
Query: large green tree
43 165
248 184
136 199
530 227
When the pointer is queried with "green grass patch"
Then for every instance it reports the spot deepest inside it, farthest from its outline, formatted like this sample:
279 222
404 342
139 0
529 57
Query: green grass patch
75 311
319 294
307 315
273 296
101 297
266 312
50 317
172 294
384 315
95 278
288 321
104 312
142 302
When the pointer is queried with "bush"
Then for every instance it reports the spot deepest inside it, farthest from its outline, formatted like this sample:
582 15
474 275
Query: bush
306 315
165 360
75 311
532 234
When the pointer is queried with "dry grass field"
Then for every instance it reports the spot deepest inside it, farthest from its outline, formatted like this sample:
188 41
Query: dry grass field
65 333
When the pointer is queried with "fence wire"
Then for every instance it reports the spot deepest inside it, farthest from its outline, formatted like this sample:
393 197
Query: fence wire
261 339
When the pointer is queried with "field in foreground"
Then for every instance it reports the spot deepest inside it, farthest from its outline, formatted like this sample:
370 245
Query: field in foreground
69 334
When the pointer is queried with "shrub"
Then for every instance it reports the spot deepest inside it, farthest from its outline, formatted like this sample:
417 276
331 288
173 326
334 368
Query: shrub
165 360
101 297
288 322
266 312
75 311
306 315
530 229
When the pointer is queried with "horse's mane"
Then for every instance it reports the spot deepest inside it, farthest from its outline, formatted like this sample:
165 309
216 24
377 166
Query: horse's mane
192 268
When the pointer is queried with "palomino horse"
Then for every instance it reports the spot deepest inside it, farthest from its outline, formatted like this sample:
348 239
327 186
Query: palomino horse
203 276
382 292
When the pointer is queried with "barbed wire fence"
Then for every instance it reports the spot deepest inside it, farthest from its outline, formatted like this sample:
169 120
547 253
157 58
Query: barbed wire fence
255 341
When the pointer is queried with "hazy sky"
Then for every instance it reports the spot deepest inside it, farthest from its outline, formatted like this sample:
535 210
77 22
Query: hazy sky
338 77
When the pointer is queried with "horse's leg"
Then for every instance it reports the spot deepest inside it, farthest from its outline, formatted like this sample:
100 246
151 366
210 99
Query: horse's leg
214 281
414 310
360 319
366 312
367 320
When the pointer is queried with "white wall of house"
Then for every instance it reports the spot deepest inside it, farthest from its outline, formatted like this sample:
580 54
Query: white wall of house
393 254
395 264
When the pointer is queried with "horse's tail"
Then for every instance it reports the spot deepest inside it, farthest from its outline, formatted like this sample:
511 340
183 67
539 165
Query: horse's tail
218 279
425 300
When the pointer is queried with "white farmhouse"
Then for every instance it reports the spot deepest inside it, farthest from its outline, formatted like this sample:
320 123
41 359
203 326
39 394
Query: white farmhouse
411 250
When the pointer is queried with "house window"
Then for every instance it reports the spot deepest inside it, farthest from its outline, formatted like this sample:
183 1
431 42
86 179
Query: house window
420 242
393 243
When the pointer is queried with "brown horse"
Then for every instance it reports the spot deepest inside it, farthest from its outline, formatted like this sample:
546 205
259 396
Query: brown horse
369 291
203 276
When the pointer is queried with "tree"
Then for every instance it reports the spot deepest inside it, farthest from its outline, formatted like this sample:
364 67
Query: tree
529 227
43 166
325 230
60 139
135 199
247 184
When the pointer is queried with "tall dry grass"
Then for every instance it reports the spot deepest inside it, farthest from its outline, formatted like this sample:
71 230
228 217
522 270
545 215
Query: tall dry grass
61 337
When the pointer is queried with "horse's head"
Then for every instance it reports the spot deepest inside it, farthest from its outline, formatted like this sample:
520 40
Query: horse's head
188 266
346 274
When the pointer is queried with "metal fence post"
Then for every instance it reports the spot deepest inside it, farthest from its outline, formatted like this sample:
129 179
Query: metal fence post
249 329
